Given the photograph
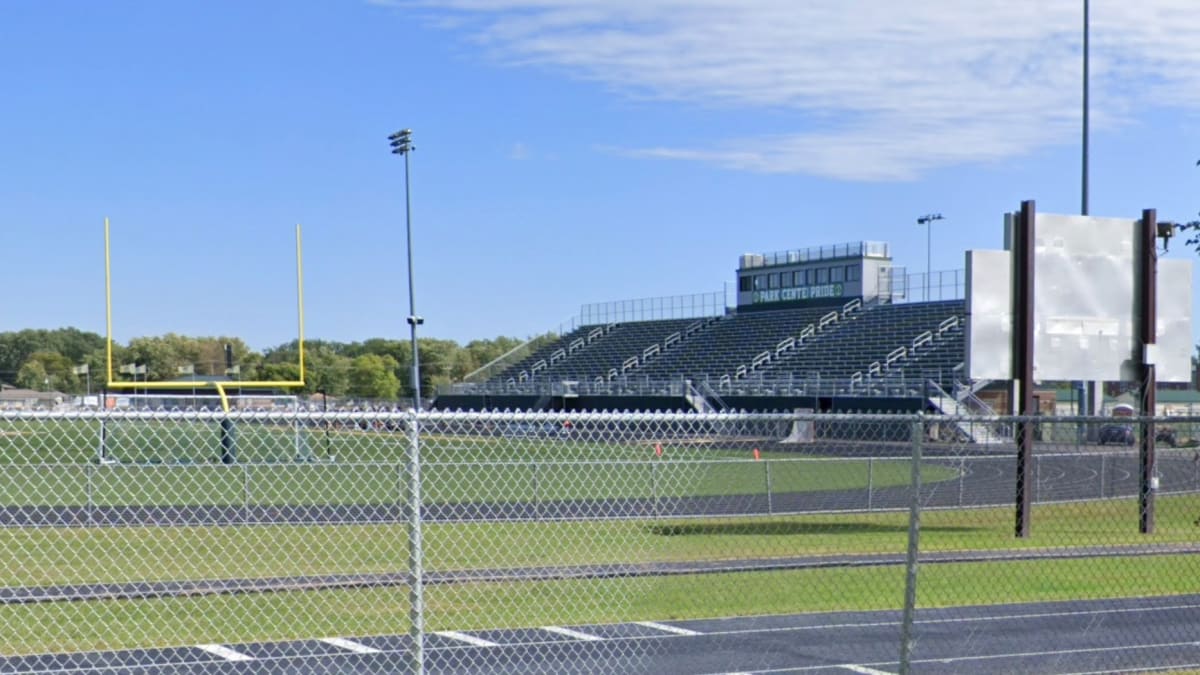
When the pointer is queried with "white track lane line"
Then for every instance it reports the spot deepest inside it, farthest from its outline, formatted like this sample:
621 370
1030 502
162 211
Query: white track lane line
356 647
664 627
863 670
469 639
572 633
225 652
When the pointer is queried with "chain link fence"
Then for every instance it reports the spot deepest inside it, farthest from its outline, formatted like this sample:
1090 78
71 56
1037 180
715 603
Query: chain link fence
593 542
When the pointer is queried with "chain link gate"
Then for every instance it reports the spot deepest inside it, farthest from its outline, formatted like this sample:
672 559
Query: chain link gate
583 542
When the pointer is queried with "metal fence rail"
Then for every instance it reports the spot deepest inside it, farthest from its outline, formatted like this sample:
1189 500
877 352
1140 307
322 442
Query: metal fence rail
583 542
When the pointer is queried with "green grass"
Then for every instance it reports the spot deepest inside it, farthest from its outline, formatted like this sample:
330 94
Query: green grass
94 555
493 481
176 463
48 466
383 611
131 553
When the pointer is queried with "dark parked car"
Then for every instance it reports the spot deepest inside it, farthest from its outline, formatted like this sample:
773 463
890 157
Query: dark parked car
1124 434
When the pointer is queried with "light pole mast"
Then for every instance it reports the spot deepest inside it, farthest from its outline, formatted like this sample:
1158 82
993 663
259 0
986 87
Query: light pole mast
402 145
1083 203
927 221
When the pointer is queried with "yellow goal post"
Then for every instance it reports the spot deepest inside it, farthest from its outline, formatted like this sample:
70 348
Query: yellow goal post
218 385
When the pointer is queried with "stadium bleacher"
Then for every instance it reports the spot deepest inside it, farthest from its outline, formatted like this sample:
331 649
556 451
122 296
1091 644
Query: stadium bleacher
806 328
883 349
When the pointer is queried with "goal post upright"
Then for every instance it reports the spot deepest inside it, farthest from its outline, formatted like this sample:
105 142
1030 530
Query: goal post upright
300 302
219 386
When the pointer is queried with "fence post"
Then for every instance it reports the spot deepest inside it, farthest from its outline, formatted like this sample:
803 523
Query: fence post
1037 480
914 536
654 487
1103 459
537 505
102 450
245 493
416 562
91 500
962 477
767 471
870 482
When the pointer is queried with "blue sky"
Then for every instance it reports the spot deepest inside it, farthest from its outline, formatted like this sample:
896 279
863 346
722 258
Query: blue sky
568 151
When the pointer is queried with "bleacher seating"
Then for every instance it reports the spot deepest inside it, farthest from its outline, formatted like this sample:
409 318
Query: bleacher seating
879 342
843 350
733 342
597 351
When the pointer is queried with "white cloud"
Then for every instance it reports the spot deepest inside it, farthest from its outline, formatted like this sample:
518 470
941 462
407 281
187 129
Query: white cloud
896 88
519 151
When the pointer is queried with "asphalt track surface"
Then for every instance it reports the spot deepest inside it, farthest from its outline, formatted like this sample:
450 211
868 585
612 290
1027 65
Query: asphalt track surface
1110 636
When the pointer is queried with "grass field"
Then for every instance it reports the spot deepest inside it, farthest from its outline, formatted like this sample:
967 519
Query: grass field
175 463
78 555
50 465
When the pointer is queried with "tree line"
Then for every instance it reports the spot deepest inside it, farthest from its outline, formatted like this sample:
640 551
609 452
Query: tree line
378 368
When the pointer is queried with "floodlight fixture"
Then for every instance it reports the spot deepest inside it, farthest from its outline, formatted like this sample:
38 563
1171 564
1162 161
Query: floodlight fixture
401 142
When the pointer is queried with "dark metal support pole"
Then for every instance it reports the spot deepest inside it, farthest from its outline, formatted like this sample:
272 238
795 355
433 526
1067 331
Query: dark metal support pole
102 451
1147 301
413 319
911 560
325 421
228 433
1084 185
1023 281
1091 404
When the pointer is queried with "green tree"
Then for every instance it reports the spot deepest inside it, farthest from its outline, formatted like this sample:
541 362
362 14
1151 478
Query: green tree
32 375
374 377
16 347
48 370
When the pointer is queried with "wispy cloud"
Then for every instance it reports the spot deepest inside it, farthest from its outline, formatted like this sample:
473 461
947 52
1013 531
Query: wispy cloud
879 89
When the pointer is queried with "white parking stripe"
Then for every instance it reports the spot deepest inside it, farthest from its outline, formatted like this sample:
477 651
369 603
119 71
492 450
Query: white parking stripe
225 652
664 627
469 639
572 633
350 645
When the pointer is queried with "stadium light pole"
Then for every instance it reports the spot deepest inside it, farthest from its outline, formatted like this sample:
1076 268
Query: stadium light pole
401 142
927 221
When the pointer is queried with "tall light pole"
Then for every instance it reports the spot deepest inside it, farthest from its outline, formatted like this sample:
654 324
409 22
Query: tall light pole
402 145
927 221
